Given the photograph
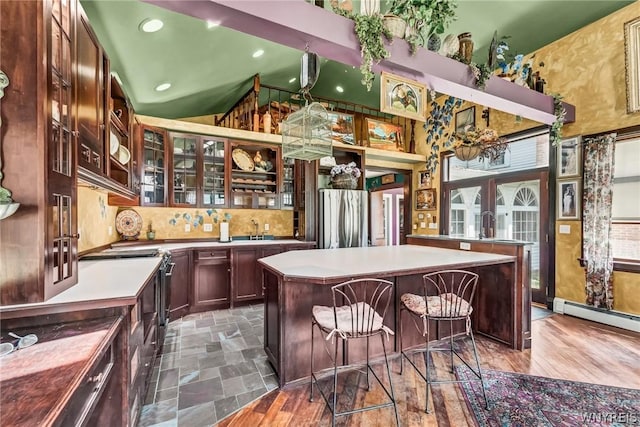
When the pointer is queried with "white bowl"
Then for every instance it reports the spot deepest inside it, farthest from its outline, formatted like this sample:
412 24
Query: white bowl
124 155
114 144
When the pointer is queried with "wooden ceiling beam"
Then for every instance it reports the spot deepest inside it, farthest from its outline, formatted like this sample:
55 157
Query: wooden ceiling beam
298 24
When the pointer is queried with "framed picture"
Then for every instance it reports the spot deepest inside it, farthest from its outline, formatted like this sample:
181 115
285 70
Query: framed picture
632 64
569 157
569 199
465 118
402 97
426 200
342 127
385 136
424 179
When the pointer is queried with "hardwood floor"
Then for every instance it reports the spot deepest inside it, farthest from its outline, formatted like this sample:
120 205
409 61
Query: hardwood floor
563 347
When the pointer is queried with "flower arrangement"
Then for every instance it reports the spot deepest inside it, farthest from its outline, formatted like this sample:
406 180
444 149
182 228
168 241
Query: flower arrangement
348 169
488 142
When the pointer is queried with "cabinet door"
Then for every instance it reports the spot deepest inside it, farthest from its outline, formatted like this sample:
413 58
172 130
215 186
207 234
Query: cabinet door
213 173
211 284
265 252
62 222
91 96
180 284
153 178
185 165
246 283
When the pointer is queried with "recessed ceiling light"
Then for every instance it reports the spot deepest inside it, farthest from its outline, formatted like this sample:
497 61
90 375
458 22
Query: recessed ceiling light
212 24
151 25
162 87
258 53
339 89
291 80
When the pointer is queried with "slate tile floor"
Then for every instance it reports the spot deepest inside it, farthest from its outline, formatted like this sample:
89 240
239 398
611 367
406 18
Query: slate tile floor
212 364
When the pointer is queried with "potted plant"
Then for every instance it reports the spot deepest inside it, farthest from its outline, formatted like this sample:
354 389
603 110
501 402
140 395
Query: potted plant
369 29
425 19
345 176
151 233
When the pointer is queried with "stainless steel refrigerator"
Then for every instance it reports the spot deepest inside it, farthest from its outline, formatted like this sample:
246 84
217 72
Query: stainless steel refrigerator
343 218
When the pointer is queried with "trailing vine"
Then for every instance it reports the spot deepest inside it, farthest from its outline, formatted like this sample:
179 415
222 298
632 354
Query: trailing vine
369 29
437 126
482 73
555 134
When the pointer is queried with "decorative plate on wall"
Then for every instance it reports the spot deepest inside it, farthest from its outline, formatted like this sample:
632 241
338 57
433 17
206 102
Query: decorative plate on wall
128 224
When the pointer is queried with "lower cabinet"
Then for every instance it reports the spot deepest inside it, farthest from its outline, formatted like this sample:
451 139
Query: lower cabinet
211 283
180 284
245 272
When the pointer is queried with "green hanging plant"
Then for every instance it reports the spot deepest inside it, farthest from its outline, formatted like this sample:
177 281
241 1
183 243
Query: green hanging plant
369 29
482 73
555 133
437 126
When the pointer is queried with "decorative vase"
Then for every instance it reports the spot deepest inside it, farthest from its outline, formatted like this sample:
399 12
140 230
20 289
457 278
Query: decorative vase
344 181
467 152
434 42
395 25
466 47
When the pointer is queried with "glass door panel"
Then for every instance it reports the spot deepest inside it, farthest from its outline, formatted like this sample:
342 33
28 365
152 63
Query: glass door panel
185 179
153 169
213 170
464 212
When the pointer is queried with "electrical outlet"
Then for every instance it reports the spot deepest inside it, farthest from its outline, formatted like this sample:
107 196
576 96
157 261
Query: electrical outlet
565 229
110 230
423 224
433 226
415 226
187 228
208 227
465 246
266 227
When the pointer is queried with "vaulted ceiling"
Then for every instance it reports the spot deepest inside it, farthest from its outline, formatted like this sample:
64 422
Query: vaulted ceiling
210 67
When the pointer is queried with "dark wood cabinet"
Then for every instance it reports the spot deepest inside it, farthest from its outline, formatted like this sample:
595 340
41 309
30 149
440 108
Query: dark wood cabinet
122 155
153 165
246 282
92 68
180 284
197 171
39 136
254 173
211 284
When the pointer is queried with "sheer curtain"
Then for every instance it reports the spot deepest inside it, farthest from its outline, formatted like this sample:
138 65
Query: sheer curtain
599 157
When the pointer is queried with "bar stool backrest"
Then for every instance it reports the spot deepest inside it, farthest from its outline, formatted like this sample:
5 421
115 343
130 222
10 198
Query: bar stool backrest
455 288
362 304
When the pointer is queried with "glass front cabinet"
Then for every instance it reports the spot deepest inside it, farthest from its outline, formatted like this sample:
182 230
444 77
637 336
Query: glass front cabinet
153 184
197 171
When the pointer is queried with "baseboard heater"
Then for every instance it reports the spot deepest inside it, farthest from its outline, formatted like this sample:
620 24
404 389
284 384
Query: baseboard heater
618 319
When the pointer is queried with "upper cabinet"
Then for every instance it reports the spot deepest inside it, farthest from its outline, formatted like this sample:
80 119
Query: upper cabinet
121 151
153 178
39 137
197 171
92 68
254 175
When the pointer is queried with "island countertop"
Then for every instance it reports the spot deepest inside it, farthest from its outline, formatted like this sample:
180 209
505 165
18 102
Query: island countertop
330 265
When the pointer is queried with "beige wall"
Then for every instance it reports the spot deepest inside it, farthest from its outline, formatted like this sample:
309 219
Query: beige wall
95 217
587 68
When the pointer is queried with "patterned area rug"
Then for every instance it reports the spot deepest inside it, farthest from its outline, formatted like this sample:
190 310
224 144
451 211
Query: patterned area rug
525 401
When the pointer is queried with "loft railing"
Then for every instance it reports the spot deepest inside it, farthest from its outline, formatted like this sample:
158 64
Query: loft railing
248 113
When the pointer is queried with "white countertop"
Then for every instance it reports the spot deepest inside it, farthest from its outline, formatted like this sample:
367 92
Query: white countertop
377 260
121 279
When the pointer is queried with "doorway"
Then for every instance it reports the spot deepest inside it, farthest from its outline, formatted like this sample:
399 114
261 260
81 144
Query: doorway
387 210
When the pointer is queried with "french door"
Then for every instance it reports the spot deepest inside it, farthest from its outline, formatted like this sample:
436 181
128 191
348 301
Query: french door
512 206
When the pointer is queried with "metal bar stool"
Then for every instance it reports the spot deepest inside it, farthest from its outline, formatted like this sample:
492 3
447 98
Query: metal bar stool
359 307
447 296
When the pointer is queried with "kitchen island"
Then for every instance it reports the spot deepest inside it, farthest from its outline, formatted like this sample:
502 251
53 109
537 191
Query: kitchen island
293 285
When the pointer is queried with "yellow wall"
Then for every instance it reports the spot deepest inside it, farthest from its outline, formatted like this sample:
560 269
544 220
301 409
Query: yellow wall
587 68
94 218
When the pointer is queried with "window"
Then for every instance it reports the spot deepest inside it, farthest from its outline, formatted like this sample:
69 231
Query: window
525 215
625 228
456 221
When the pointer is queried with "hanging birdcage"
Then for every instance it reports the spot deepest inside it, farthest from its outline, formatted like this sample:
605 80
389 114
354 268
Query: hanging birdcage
306 134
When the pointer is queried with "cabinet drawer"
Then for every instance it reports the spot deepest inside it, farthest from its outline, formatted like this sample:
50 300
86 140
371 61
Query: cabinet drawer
212 254
88 393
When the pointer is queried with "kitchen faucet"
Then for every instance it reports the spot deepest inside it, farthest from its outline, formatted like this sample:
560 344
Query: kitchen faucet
255 237
482 215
